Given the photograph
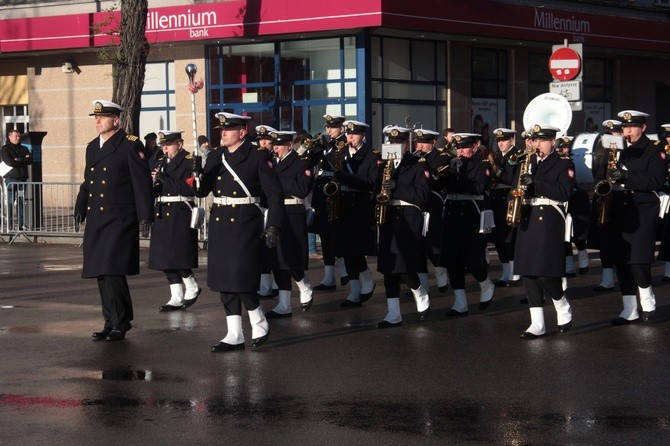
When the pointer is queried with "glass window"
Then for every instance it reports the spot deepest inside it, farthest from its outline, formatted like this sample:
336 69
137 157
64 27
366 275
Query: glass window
396 63
598 78
297 80
539 76
489 73
158 98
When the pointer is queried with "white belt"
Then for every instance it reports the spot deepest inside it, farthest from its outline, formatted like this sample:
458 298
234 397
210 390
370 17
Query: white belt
227 201
463 197
326 173
543 202
177 198
293 200
402 203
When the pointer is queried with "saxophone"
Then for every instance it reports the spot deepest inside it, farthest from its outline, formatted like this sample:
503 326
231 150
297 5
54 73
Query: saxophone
603 189
515 206
384 195
332 188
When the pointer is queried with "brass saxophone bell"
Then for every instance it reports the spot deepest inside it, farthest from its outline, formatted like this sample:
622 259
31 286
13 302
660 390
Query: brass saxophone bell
191 71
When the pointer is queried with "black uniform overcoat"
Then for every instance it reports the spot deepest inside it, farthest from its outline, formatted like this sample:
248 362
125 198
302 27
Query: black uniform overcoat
400 244
354 231
540 239
295 176
436 201
174 245
630 236
115 195
461 241
235 240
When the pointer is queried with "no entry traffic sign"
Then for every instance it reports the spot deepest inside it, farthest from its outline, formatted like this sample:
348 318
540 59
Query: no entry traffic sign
565 64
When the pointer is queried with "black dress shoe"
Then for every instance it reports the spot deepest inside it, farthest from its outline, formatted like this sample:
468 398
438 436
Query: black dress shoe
501 283
164 308
366 296
565 327
583 270
101 335
648 316
514 282
223 347
189 302
622 321
572 274
322 287
484 305
344 280
443 289
423 315
523 301
306 305
453 313
602 288
273 293
255 343
275 315
349 304
529 335
387 324
115 335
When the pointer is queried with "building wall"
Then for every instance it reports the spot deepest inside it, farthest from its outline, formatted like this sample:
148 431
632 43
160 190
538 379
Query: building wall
60 104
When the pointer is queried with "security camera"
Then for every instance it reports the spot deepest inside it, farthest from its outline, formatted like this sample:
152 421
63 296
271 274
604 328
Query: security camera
67 67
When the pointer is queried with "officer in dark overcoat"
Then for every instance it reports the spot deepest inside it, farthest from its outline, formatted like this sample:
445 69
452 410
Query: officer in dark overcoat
174 243
664 248
540 241
579 208
463 247
290 258
504 170
354 229
629 238
323 156
115 195
241 178
268 287
594 236
436 162
402 190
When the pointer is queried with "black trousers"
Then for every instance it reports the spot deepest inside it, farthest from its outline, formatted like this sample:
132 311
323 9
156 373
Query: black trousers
283 278
175 275
392 283
632 276
355 265
232 302
538 287
117 307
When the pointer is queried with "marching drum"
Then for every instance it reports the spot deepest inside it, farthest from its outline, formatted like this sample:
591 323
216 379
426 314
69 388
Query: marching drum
583 150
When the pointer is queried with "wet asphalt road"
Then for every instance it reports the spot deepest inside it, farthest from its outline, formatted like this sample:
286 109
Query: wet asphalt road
328 376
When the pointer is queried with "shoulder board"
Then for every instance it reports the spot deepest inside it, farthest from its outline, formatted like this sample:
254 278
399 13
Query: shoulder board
188 157
444 154
260 149
377 152
304 158
657 142
422 160
132 137
487 161
566 157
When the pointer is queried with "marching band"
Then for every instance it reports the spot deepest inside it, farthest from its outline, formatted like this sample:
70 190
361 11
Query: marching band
410 203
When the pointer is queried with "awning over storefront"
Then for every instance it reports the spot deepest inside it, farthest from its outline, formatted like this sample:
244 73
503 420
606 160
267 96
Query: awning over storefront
237 18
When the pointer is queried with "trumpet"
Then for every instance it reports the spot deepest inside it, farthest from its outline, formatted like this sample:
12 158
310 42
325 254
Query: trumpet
308 144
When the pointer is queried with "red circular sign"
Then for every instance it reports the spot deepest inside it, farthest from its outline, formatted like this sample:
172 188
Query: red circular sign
564 64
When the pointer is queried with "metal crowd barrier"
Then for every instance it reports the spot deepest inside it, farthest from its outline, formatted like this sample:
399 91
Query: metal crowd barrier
34 209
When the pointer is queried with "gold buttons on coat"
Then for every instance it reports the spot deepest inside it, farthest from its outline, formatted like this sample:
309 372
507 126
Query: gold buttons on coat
232 220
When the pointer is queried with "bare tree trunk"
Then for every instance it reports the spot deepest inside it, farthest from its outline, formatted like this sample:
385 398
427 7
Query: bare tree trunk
130 66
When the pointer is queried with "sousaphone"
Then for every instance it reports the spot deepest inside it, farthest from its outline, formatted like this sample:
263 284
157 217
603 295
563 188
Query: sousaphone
548 108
